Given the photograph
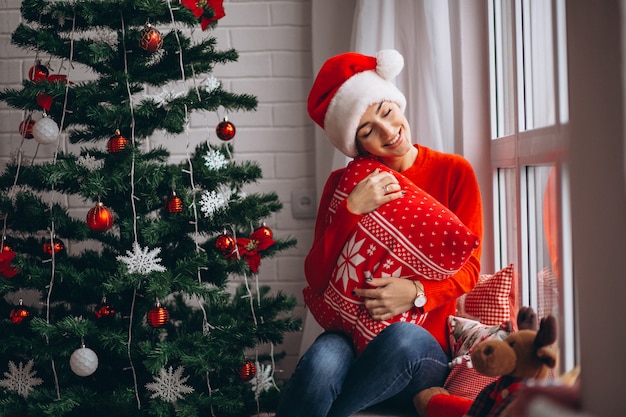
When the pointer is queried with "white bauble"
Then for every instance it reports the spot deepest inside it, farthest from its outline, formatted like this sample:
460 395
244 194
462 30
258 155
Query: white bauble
84 361
45 131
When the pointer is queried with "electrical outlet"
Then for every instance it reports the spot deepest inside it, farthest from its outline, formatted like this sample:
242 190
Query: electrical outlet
303 203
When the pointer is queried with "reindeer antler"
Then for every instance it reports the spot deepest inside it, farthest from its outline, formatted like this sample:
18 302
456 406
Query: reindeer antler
547 332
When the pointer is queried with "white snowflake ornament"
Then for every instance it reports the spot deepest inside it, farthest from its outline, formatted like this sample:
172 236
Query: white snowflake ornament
142 261
21 379
215 160
212 201
89 162
169 385
263 381
211 83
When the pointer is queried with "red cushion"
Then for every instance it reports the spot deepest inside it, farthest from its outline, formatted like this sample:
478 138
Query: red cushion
492 301
464 381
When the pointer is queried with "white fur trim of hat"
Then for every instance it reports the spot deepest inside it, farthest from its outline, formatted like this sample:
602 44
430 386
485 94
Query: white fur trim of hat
356 94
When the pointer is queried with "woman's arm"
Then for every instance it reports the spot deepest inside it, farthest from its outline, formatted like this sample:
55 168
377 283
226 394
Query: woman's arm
391 296
332 229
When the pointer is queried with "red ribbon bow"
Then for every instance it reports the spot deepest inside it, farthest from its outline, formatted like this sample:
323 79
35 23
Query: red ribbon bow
199 7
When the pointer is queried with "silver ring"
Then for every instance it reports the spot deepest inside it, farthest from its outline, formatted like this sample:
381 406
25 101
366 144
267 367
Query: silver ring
385 188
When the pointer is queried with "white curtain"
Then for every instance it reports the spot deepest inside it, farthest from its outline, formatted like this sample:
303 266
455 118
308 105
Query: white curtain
423 33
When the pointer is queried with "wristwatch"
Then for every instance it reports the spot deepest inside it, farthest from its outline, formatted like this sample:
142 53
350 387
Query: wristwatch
420 296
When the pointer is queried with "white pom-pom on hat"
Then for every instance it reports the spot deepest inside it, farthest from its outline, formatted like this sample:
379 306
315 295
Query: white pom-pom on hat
389 63
345 86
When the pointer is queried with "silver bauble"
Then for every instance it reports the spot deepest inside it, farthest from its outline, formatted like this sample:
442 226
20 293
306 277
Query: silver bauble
84 361
45 131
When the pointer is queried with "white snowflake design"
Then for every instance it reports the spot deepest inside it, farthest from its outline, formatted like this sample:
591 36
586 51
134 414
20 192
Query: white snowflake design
169 385
211 83
348 261
142 261
215 160
395 274
211 202
89 162
263 380
163 98
21 379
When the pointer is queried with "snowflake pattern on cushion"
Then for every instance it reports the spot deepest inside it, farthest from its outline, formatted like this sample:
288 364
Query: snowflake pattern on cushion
413 237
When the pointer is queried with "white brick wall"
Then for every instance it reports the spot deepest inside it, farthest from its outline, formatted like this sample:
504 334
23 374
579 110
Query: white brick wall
273 41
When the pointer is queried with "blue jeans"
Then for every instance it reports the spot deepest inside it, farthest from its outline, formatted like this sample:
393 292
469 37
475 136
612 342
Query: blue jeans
331 381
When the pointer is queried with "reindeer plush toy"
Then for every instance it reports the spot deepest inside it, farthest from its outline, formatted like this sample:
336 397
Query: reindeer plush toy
524 355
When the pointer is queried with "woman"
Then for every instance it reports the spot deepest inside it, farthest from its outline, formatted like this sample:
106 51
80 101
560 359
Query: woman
362 113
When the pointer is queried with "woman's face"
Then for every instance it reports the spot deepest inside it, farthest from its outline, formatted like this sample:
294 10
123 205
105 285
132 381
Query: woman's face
383 131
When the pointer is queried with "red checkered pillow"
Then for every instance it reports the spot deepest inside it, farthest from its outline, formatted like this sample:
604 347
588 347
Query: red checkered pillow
492 301
464 381
464 335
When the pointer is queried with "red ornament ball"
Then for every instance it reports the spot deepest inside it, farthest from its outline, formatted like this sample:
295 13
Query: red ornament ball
103 311
225 244
38 72
6 245
26 128
157 316
19 314
225 130
99 218
174 204
151 39
56 245
117 143
247 371
266 231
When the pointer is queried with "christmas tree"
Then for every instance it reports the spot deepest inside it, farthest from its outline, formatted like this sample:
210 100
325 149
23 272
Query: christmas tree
148 305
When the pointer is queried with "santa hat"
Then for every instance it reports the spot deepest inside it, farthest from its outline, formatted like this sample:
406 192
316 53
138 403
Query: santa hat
345 86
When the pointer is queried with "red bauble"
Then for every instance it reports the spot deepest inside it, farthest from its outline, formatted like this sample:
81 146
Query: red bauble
38 72
151 39
117 143
104 310
99 218
265 231
157 316
56 245
225 243
26 128
247 371
19 314
225 130
6 245
174 204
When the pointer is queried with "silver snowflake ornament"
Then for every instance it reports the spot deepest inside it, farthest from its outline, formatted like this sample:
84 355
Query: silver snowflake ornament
169 385
212 201
142 261
263 381
215 160
21 379
163 98
211 83
89 162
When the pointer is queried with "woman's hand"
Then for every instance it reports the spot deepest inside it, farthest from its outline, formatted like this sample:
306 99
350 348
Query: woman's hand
388 298
373 191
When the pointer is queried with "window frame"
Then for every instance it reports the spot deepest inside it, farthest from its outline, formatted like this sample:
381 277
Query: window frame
517 146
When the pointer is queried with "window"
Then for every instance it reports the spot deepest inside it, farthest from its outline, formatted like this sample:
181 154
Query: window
529 123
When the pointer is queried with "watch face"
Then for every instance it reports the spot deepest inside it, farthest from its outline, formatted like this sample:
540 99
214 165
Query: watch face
420 301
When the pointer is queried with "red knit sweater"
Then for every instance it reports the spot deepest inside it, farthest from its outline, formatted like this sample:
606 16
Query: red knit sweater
447 177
